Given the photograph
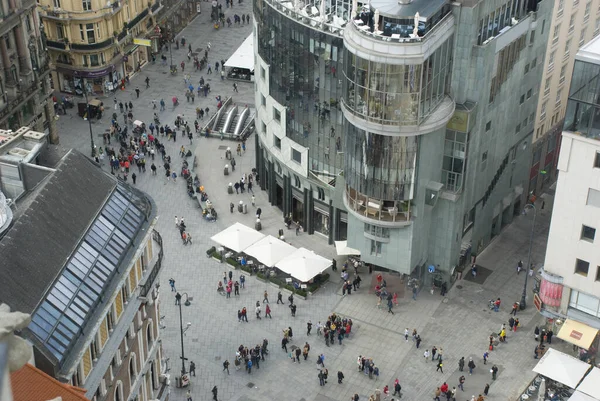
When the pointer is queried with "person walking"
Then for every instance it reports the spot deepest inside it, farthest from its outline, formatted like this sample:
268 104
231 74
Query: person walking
268 312
461 364
340 377
265 297
440 367
214 391
171 280
188 395
279 298
192 369
321 360
308 328
258 312
321 378
485 357
494 371
461 383
226 366
486 389
471 366
397 388
137 92
426 355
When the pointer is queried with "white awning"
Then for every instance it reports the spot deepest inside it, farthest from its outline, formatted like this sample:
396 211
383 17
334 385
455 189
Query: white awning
562 368
243 56
579 396
237 237
303 264
589 385
270 250
342 248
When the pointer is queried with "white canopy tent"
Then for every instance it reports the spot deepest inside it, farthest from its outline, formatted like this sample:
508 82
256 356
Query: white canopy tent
589 385
342 248
579 396
237 237
243 56
561 367
303 264
270 250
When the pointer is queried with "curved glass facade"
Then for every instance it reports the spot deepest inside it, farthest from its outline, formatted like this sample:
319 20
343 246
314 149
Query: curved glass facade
380 167
394 94
305 76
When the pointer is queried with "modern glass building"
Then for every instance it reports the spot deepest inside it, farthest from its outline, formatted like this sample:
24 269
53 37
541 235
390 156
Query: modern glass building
386 123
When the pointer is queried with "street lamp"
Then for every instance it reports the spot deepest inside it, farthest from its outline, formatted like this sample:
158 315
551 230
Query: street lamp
524 295
182 331
87 105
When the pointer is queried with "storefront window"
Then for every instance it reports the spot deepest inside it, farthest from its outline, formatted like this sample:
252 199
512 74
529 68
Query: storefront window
298 211
321 222
343 226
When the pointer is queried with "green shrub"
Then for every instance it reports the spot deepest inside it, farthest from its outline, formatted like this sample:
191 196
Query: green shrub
261 276
216 255
232 262
245 268
301 292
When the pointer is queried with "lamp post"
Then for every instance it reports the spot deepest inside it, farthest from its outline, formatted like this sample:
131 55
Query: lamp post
182 331
524 295
87 105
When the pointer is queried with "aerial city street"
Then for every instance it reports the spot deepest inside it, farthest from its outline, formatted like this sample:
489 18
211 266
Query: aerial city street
286 200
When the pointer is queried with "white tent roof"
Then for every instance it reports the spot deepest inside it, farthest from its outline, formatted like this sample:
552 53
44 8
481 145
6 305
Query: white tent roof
270 250
342 248
589 385
303 264
237 237
561 367
243 56
579 396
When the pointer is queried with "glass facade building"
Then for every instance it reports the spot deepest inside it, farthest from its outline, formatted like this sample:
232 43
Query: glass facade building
583 108
383 124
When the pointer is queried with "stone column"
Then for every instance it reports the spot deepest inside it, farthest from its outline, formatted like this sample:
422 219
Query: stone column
6 63
22 50
49 112
12 4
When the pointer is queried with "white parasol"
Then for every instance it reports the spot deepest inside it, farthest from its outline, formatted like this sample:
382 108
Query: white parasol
376 20
354 8
138 123
416 29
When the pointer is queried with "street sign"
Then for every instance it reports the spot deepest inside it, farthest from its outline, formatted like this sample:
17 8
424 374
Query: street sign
142 42
537 301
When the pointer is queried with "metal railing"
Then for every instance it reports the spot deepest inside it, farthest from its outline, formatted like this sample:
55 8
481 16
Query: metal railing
92 46
378 209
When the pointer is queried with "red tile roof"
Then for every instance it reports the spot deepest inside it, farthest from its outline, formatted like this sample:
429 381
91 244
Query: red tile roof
31 384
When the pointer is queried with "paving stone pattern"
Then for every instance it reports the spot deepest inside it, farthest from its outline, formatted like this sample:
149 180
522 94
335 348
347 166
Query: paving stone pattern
459 323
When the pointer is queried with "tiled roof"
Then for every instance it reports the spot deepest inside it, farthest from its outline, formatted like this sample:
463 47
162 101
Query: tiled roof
29 383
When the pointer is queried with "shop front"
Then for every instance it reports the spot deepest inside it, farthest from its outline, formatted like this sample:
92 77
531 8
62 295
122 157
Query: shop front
135 56
343 226
298 207
97 82
321 219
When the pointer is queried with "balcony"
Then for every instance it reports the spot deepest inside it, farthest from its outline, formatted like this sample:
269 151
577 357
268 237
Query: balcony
368 209
148 279
92 46
56 45
137 19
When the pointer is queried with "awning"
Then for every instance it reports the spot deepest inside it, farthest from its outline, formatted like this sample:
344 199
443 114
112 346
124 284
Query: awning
237 237
342 248
550 293
303 264
269 250
579 396
577 333
243 56
130 49
561 367
589 385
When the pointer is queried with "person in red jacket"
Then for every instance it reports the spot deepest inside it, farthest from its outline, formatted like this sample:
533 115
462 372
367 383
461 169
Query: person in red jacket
444 388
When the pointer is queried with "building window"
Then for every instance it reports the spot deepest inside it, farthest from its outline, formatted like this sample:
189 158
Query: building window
597 273
597 27
484 157
263 127
582 267
521 101
87 5
586 14
526 68
556 34
488 126
376 248
529 93
263 100
276 142
320 194
28 23
518 128
376 231
524 123
94 61
125 292
132 370
588 233
534 63
558 97
81 32
551 60
297 182
582 37
597 160
149 336
543 111
561 7
532 37
584 302
454 160
91 34
547 86
296 156
60 31
262 73
572 22
119 391
276 114
56 3
593 198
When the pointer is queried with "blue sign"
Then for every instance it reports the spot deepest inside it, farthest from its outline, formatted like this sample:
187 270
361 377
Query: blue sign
431 268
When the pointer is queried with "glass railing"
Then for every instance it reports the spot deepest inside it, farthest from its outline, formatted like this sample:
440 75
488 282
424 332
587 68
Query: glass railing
378 209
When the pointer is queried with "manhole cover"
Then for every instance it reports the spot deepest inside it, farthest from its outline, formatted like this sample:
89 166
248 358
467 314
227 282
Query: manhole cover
195 340
217 358
250 385
460 287
198 49
223 147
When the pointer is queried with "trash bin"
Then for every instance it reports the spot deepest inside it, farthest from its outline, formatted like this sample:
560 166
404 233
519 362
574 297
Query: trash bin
178 381
241 207
230 188
245 208
258 225
226 170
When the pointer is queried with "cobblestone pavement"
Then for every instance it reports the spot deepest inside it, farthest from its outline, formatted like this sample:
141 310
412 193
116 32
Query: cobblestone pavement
459 323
